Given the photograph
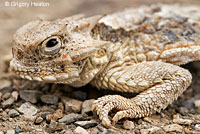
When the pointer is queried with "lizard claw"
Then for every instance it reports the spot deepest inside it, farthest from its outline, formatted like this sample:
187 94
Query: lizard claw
104 105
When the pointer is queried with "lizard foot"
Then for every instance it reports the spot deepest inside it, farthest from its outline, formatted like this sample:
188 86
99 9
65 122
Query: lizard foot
104 105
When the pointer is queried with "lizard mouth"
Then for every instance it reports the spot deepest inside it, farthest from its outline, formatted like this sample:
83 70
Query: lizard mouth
33 73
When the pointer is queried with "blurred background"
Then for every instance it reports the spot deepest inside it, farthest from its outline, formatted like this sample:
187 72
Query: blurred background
15 13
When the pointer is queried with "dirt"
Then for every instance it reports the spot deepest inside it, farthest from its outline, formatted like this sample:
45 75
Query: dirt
182 112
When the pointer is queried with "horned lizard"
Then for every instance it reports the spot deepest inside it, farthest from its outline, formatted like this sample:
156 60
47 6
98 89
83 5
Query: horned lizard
136 50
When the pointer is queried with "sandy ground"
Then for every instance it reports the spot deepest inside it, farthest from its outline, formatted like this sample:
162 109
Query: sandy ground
12 16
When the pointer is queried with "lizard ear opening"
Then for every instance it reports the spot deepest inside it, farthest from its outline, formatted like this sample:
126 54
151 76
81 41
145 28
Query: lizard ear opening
86 24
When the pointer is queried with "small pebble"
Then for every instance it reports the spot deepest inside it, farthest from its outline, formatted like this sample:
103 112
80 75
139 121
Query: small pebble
197 103
197 127
55 116
183 121
128 125
15 95
13 113
183 110
32 96
55 126
70 118
153 119
49 99
87 106
86 124
111 131
69 132
80 95
28 110
18 130
6 96
80 130
101 128
71 105
152 130
5 86
94 131
38 120
8 102
44 115
173 128
10 131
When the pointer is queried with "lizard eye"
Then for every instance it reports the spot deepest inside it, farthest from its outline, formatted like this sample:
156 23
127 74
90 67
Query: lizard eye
51 46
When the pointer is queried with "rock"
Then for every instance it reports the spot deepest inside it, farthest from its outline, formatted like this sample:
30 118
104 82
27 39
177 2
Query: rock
153 130
183 110
69 132
15 95
94 130
80 95
18 130
86 124
197 127
8 102
6 96
101 128
55 126
10 131
49 99
38 120
173 128
71 105
70 118
154 120
87 106
32 96
111 131
189 103
44 115
5 86
197 103
55 116
13 113
28 110
80 130
183 121
128 125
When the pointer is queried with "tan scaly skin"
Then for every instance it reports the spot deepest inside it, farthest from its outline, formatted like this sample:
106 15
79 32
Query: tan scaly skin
135 50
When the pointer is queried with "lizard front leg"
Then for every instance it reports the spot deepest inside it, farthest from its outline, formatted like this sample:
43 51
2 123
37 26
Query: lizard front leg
159 85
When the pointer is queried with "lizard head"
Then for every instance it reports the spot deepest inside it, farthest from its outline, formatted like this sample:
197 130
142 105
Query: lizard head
54 51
